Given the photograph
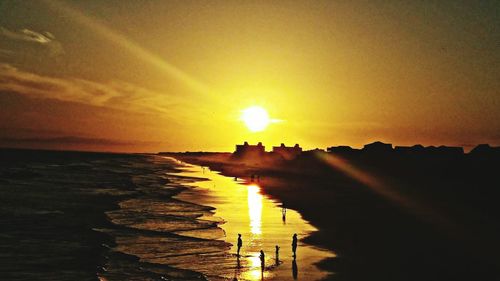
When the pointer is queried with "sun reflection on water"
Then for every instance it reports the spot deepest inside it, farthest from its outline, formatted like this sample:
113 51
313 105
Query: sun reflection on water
246 211
255 272
255 208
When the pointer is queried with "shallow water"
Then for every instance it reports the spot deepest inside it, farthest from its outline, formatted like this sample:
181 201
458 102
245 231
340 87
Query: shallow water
260 221
84 216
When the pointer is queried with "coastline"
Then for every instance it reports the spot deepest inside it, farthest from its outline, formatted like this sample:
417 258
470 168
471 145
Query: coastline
369 232
76 215
372 235
275 187
246 210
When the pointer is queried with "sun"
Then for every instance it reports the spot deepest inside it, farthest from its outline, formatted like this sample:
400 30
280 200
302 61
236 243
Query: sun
256 118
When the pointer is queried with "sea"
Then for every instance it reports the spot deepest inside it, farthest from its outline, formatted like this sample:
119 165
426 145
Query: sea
103 216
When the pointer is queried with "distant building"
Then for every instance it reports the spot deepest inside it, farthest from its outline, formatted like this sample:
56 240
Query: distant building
287 152
319 150
378 147
416 149
443 150
246 150
484 150
341 149
451 150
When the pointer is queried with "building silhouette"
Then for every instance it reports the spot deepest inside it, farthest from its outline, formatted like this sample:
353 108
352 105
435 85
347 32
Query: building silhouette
410 150
287 152
246 150
378 147
342 149
485 150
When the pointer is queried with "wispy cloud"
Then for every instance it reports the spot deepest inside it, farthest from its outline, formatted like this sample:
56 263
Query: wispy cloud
46 39
115 94
122 41
47 138
6 53
72 140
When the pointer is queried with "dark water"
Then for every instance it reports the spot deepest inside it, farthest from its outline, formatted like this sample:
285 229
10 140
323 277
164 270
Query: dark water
91 216
85 216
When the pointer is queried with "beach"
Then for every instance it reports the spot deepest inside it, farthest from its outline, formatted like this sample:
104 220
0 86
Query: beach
404 218
263 224
100 216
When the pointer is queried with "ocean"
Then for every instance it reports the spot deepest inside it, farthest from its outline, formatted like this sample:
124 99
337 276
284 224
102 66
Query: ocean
98 216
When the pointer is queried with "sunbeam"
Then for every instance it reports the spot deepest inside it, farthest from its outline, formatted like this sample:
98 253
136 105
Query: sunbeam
422 211
122 41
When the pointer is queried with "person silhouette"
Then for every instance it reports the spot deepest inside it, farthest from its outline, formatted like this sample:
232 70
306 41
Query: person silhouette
277 254
240 243
294 246
295 270
283 214
262 260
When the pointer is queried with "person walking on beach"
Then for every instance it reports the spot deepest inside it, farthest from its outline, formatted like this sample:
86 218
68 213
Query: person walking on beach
262 260
240 243
294 245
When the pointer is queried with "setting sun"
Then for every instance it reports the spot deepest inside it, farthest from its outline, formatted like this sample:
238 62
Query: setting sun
256 118
195 140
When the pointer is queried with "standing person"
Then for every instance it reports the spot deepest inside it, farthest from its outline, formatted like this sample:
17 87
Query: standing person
262 260
240 243
294 245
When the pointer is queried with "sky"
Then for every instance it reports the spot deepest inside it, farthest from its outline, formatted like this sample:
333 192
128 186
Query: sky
147 76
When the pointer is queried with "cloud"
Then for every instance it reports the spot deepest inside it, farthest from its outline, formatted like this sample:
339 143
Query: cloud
46 39
115 94
66 140
6 53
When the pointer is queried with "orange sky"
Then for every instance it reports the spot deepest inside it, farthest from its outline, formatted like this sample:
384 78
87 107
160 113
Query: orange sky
175 75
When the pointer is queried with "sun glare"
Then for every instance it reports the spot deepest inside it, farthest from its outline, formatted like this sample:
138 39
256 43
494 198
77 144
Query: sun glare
256 118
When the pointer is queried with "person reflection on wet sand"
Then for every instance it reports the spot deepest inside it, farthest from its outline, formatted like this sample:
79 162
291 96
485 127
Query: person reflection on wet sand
237 272
295 270
240 243
262 260
277 255
294 246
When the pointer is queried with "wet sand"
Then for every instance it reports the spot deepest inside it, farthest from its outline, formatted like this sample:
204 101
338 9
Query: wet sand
260 220
376 238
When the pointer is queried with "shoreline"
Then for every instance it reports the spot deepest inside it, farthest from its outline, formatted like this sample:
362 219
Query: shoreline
369 231
315 239
366 230
229 198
